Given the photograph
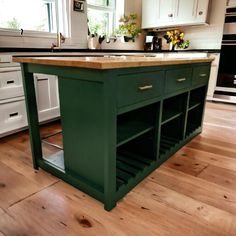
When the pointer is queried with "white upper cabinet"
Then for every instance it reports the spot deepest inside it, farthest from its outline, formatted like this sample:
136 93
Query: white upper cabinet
202 10
150 13
167 10
186 10
164 13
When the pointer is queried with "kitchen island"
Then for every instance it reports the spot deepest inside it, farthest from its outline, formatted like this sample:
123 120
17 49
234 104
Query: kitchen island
121 117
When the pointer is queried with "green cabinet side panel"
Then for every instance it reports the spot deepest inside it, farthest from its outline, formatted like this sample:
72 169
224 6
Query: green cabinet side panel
82 109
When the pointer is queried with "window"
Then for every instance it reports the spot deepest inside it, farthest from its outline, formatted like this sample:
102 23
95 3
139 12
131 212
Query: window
103 15
36 15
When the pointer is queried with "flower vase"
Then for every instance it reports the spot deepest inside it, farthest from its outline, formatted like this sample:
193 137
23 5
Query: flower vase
172 47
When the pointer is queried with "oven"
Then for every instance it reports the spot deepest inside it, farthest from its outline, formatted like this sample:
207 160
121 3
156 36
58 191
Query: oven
226 81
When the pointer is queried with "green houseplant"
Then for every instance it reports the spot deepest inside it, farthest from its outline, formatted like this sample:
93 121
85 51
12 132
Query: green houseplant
128 27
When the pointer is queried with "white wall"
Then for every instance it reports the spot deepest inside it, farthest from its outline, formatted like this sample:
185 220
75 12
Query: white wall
78 28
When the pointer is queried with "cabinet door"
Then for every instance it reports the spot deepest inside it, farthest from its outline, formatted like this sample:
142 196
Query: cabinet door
202 10
167 10
150 13
47 96
186 11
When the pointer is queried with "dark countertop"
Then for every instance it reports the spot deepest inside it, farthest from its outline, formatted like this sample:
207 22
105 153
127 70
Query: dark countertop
5 50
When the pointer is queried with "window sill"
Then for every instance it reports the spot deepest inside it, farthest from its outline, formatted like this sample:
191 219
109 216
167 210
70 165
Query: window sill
26 33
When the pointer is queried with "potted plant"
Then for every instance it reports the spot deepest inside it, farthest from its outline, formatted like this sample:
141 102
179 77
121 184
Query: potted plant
128 27
176 39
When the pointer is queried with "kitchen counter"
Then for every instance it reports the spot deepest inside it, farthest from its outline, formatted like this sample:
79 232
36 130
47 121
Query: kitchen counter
121 116
109 62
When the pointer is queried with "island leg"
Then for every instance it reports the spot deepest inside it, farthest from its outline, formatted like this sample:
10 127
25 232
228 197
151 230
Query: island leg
32 114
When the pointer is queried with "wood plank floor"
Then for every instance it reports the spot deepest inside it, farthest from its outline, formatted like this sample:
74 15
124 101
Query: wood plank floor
192 194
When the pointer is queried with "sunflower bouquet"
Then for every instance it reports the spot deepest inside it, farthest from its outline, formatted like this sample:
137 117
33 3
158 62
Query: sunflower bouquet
176 38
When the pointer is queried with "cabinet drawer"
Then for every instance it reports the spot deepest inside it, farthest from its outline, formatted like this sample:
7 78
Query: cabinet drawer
12 116
178 79
200 75
138 87
10 83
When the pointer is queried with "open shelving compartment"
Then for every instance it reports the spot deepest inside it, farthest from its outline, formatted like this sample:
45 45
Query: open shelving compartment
136 144
195 110
173 116
52 148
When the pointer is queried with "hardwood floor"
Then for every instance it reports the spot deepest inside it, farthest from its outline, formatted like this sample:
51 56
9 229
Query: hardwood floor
192 194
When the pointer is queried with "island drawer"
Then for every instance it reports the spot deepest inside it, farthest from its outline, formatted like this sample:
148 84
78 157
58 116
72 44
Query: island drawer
200 74
134 88
177 79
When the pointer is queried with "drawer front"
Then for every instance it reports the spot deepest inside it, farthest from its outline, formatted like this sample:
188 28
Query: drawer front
178 79
11 84
12 116
201 74
138 87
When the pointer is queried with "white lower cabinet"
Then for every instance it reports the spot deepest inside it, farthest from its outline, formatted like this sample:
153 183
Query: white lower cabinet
12 115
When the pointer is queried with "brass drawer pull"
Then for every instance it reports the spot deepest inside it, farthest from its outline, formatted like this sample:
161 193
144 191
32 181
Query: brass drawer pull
181 80
203 75
144 88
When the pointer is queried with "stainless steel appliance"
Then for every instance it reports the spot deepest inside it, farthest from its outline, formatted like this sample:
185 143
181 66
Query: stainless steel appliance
226 81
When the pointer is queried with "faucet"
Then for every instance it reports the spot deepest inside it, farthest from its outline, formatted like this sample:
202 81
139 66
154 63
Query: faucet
60 39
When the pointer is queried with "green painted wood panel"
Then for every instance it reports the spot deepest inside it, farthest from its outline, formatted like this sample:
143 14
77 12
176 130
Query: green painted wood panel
82 116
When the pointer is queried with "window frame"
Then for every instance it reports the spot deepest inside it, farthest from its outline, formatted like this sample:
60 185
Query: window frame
106 9
38 34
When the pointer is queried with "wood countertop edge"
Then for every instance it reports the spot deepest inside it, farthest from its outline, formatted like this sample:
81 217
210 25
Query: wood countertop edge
111 64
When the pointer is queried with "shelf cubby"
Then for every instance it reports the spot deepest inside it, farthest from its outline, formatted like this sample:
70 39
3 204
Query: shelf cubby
173 107
171 135
196 97
133 124
194 120
134 157
129 130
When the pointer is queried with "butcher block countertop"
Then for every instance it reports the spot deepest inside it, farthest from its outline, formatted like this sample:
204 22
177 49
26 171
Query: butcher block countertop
109 62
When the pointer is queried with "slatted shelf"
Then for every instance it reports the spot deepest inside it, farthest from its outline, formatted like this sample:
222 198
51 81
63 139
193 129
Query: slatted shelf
167 143
128 166
191 128
129 130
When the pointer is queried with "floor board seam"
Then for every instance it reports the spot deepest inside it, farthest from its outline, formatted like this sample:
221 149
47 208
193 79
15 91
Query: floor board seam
32 194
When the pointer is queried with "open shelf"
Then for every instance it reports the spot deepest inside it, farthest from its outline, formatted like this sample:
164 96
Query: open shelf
173 107
194 120
193 105
169 115
171 135
136 123
197 97
126 131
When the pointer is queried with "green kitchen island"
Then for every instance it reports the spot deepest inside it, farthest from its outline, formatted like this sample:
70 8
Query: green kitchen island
122 117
